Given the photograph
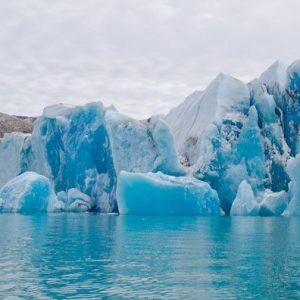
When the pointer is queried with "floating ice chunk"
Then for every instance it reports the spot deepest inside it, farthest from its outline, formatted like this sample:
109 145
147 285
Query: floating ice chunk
244 203
160 194
273 204
28 193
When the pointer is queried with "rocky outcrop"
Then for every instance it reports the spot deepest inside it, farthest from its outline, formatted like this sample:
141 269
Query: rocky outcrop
15 124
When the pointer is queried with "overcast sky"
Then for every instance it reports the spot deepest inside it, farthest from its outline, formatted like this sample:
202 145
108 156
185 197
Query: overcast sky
142 56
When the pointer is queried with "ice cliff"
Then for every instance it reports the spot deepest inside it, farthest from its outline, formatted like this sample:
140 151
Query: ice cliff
234 131
233 145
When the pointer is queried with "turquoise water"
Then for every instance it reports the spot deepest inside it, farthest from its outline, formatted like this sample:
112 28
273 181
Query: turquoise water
95 256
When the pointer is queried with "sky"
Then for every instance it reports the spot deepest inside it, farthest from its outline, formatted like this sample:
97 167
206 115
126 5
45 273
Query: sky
144 57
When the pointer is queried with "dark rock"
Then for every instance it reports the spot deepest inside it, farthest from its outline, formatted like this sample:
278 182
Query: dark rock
15 124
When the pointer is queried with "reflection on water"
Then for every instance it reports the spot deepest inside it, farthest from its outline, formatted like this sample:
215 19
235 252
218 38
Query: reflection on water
87 255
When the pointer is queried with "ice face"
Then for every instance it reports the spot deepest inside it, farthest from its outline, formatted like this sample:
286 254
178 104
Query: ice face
70 145
226 98
291 109
249 150
275 77
160 194
283 84
236 132
276 148
28 193
141 146
236 152
244 203
182 120
213 146
12 155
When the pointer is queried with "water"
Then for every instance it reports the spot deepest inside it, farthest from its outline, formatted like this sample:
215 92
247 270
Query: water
84 255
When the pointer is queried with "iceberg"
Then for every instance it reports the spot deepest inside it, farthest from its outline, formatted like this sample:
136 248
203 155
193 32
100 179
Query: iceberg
28 193
231 136
244 203
160 194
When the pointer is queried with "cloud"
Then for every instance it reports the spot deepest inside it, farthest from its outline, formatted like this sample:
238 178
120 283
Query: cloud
142 56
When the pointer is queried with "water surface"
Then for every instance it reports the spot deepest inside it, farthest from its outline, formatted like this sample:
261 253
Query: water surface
96 256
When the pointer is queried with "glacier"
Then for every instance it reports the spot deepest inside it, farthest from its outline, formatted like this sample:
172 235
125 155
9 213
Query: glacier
160 194
239 140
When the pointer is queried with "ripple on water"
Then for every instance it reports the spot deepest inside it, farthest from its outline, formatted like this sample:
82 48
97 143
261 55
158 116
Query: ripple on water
87 255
